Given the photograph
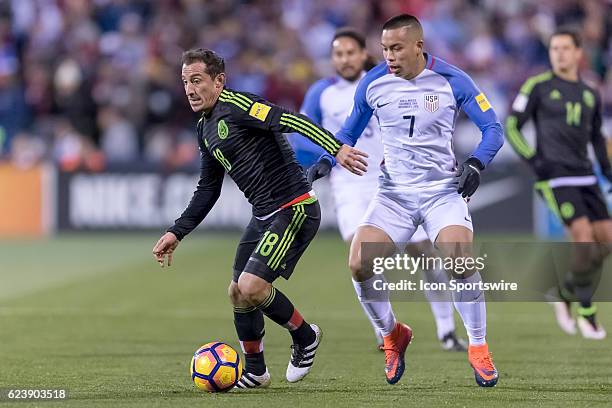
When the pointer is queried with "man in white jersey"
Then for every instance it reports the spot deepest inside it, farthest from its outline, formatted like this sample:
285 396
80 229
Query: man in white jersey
416 99
328 102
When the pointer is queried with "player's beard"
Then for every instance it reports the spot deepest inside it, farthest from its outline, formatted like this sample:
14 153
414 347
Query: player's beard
350 75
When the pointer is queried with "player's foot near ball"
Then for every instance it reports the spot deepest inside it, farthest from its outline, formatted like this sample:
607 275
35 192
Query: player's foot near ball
590 328
302 357
249 381
481 361
450 342
395 345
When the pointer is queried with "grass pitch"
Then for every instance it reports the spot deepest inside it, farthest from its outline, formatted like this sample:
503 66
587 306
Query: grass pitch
95 315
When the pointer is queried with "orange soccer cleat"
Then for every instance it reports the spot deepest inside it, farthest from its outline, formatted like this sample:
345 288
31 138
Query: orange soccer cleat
482 363
395 345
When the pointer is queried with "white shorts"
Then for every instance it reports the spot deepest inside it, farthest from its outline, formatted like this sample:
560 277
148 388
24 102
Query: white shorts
400 213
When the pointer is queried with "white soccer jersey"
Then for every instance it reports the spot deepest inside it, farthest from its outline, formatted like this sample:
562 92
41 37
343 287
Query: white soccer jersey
417 121
336 102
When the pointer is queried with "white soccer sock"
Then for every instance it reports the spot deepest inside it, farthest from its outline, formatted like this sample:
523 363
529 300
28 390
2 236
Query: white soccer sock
379 312
472 308
374 325
440 302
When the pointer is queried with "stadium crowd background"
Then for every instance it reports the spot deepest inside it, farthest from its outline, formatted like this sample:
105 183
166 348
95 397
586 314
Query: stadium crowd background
94 84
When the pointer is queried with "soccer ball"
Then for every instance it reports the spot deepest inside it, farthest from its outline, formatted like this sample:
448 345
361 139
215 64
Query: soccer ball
215 367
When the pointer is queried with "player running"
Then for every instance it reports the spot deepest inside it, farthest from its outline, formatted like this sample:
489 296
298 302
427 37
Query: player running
567 116
240 133
328 102
416 99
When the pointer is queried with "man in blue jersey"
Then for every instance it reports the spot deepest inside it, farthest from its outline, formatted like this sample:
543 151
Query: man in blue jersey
328 102
416 99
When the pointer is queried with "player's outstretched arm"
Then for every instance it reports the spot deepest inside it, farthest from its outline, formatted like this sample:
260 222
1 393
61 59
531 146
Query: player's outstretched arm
308 153
257 113
164 249
204 198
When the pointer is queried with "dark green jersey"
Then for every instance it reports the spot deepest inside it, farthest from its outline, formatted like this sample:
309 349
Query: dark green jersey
242 136
567 116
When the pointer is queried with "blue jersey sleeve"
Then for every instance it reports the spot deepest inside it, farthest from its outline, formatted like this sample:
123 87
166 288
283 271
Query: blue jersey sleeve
477 107
306 151
362 112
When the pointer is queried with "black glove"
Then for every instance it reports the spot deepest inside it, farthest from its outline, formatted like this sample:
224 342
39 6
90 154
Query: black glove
469 176
320 169
607 173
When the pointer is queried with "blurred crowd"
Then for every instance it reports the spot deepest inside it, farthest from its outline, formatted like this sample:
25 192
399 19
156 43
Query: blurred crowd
96 83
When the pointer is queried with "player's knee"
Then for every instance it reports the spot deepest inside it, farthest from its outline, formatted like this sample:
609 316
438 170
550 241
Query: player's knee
355 266
234 294
358 271
252 292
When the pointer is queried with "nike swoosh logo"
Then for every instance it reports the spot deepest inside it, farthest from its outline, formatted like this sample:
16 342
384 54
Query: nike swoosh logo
380 105
486 374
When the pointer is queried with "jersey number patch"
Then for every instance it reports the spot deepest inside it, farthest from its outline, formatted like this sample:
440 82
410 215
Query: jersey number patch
267 243
221 158
573 111
412 119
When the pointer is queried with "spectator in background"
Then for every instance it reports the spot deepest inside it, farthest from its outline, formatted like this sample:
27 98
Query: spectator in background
69 58
118 140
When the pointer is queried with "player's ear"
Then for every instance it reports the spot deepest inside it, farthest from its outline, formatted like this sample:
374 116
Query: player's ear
419 47
219 80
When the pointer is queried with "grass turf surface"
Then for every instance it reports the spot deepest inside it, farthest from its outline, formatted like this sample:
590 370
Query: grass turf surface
95 315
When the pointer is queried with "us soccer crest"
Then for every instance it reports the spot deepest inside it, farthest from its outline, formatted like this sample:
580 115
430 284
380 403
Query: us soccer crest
432 102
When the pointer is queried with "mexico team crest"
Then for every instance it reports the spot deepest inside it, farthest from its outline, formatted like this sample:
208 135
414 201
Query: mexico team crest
432 102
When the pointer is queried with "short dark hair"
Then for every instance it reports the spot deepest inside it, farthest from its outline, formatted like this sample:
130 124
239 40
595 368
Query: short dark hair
402 20
576 38
213 61
350 32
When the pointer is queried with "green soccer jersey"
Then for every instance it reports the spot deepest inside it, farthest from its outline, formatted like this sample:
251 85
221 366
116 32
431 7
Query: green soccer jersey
567 116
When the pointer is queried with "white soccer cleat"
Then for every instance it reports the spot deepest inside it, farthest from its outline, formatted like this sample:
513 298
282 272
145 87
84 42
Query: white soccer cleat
249 381
564 317
589 331
302 358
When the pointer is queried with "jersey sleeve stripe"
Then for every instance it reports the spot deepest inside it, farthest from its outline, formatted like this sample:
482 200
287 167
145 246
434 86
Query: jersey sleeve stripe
533 81
235 102
238 96
517 140
306 132
318 131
